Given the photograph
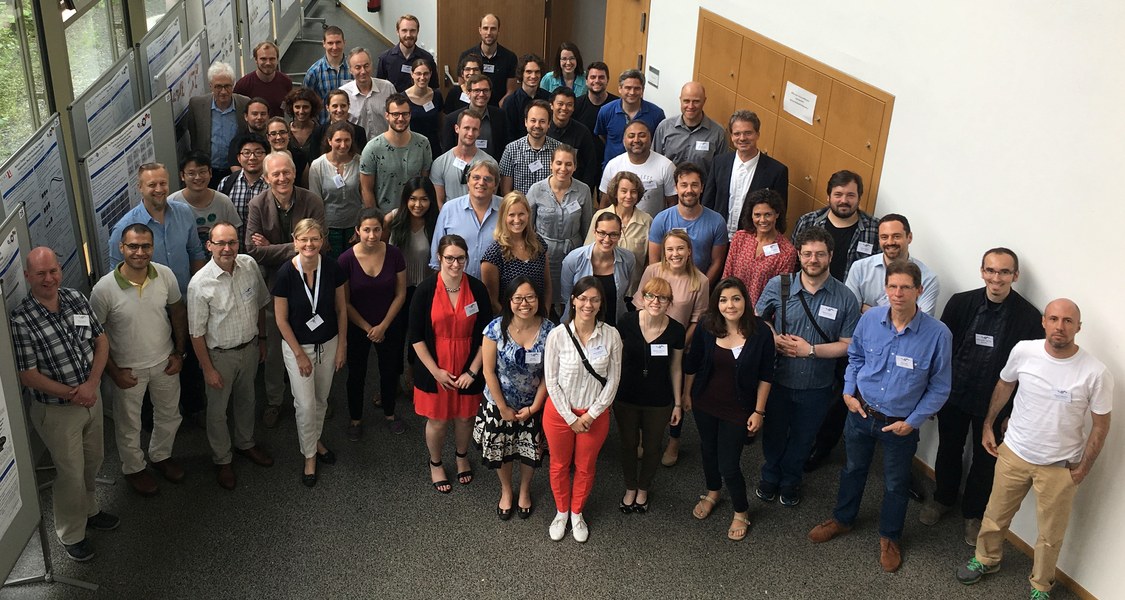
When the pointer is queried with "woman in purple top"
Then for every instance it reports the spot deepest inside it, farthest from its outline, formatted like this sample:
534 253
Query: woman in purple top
375 294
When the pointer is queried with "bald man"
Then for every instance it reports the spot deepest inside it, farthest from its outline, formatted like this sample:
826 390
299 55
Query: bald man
690 136
499 62
61 351
1044 446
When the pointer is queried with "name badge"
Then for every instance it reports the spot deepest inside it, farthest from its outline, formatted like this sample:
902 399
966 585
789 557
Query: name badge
405 69
535 166
248 294
827 312
471 309
572 208
464 97
1062 395
771 249
314 322
905 362
482 144
703 146
81 320
338 180
736 352
459 164
428 106
598 351
864 247
984 340
659 349
489 68
649 183
533 358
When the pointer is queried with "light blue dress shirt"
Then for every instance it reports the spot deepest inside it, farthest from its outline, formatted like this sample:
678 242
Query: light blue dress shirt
867 279
458 216
175 242
577 265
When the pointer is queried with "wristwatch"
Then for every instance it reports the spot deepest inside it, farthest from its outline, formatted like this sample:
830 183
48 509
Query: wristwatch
812 351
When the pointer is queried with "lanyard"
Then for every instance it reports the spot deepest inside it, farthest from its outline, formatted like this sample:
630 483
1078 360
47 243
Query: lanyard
313 297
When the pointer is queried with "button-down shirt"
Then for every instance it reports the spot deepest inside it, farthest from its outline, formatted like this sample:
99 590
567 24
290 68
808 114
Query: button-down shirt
323 78
241 191
175 241
458 216
836 312
395 68
224 126
699 145
741 174
867 279
369 111
864 243
223 307
900 374
52 343
612 120
526 165
569 385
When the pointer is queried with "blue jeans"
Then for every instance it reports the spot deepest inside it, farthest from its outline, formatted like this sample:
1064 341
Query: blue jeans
788 433
860 436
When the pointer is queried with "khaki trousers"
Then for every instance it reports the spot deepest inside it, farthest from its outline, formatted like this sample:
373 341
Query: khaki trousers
73 436
238 369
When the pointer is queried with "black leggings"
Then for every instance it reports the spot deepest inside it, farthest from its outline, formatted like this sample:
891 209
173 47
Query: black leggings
720 444
390 367
637 424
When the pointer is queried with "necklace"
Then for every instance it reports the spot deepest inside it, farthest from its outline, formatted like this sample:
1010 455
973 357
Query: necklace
453 290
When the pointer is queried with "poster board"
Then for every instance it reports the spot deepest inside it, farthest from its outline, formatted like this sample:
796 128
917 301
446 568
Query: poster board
222 41
36 177
185 76
160 45
257 26
106 104
19 495
288 17
108 173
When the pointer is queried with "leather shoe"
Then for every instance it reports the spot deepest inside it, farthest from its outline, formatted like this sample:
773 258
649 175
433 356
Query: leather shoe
890 556
143 483
827 530
226 477
256 456
170 470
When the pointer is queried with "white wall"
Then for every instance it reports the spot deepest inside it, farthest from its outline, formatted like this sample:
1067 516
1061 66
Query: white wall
384 20
1005 131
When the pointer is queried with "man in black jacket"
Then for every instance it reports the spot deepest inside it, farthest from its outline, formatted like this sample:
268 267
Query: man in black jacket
986 323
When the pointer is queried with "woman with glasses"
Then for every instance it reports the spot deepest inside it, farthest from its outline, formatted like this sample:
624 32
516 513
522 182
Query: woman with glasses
334 176
517 252
425 105
311 311
583 369
339 105
447 319
648 398
625 190
376 294
729 368
280 139
458 96
303 108
561 209
606 262
508 427
759 250
568 70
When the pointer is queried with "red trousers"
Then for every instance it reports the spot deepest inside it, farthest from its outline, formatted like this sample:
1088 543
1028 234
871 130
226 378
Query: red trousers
569 448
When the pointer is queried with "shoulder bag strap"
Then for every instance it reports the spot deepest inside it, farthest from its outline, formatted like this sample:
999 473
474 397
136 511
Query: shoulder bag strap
585 363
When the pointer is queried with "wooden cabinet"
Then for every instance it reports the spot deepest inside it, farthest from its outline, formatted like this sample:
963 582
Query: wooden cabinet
800 151
720 101
814 82
761 75
768 130
720 55
799 204
854 122
834 159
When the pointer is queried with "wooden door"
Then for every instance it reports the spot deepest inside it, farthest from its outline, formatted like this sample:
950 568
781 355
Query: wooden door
523 28
626 37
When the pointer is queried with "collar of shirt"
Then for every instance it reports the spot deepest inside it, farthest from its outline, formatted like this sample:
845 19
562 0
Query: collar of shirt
680 124
747 165
125 283
888 322
222 111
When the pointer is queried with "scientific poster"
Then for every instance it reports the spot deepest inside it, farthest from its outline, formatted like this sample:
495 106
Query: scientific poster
113 177
12 281
10 501
168 44
109 107
258 18
220 30
184 78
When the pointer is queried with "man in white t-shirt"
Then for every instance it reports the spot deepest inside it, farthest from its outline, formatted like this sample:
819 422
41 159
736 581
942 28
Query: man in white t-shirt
657 173
1046 445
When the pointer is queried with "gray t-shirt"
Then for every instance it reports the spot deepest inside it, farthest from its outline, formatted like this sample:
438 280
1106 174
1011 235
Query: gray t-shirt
393 166
221 209
448 170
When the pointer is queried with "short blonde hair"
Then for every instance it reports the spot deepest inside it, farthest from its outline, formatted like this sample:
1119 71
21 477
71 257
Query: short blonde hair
305 225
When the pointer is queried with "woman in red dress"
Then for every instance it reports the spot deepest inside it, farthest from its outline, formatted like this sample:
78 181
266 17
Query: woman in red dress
447 318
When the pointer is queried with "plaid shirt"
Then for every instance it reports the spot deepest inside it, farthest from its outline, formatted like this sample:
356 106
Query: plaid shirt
868 231
240 194
52 344
518 158
322 78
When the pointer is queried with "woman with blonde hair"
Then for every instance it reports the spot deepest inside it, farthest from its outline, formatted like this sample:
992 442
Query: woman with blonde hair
517 251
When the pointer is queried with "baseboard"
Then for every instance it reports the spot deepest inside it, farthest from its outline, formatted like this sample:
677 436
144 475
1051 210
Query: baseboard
1019 543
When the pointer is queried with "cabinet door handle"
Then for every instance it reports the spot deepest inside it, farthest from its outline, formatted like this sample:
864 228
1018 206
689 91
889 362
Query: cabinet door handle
808 177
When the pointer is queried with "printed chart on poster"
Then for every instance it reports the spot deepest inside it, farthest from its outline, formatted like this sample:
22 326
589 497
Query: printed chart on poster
110 106
35 178
12 282
160 52
184 76
112 172
10 500
258 20
219 15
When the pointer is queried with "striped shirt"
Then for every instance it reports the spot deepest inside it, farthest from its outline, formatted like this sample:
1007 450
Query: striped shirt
53 343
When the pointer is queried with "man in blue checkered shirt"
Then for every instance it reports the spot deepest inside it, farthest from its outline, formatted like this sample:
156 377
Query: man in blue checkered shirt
330 72
61 351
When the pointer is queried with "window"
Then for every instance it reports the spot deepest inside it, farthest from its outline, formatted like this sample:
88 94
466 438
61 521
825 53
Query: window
23 103
95 40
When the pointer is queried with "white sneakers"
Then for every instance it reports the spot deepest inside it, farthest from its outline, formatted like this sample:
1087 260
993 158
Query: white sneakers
578 528
558 526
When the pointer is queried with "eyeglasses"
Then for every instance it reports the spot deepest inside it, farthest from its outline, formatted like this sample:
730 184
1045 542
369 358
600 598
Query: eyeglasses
1002 272
660 299
204 172
479 91
222 86
308 240
252 153
274 134
613 235
532 299
818 255
398 115
135 247
483 178
588 299
224 244
455 260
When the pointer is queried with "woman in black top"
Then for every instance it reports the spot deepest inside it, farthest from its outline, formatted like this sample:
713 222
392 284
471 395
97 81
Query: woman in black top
729 369
312 316
651 355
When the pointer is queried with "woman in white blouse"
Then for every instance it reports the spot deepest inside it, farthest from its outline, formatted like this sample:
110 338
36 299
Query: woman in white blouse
334 176
583 368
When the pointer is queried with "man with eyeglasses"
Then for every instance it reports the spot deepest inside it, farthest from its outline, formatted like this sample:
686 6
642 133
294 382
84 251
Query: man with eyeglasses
458 95
986 323
367 95
212 121
472 216
735 174
450 171
141 306
242 186
393 158
810 332
209 206
226 304
866 276
493 136
266 80
269 241
528 160
898 376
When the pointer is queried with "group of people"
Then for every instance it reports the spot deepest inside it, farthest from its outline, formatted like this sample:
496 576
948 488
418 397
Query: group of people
526 310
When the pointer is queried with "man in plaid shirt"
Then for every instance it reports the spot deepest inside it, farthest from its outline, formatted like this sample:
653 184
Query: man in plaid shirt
330 72
528 159
61 351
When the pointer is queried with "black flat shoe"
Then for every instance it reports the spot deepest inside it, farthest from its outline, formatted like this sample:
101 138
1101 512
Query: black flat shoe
639 508
525 512
308 480
503 514
626 508
328 458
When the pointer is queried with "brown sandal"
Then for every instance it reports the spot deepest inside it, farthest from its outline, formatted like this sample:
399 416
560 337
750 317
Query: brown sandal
704 507
736 533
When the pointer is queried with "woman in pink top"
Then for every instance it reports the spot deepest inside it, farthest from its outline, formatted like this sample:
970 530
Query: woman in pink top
759 251
690 288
